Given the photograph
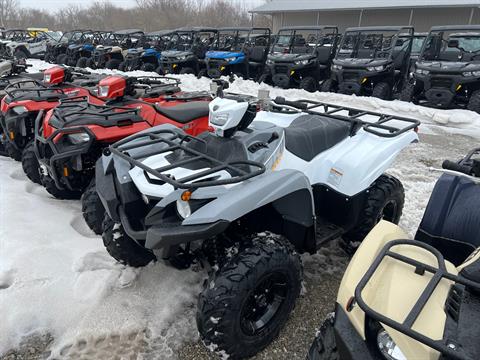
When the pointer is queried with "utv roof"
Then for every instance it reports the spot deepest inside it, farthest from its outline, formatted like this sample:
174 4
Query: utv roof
379 28
160 32
128 31
196 29
241 28
308 27
455 27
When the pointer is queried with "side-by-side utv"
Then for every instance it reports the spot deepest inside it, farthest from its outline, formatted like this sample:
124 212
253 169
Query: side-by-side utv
186 51
301 57
372 61
447 73
238 51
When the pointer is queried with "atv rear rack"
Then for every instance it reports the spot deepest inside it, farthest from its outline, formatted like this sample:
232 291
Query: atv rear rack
174 141
105 115
378 127
14 89
444 346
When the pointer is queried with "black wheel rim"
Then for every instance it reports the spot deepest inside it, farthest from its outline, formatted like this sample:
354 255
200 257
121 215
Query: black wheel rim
389 212
263 303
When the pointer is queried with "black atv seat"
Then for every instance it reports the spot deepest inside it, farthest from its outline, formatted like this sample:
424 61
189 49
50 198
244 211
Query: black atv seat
184 113
309 135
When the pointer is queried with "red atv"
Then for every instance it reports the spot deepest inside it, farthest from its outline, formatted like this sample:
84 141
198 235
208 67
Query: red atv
71 137
26 98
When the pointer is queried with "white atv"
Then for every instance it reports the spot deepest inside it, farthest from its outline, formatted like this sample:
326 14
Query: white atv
247 199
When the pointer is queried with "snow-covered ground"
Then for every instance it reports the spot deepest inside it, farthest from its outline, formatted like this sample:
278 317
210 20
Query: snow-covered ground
56 277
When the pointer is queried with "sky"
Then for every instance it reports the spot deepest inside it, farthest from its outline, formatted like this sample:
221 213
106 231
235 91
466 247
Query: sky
56 4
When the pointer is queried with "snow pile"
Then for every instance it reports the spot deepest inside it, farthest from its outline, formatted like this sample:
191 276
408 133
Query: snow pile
56 276
457 121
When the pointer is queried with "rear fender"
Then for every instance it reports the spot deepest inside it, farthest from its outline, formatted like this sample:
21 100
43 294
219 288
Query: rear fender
353 165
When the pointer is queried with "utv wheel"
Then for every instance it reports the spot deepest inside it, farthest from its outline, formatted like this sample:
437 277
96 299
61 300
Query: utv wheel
474 102
328 86
265 79
123 248
61 59
63 194
187 70
20 54
92 208
112 64
30 163
12 151
148 67
202 73
82 62
309 84
90 63
324 347
159 71
382 91
246 303
408 93
122 66
385 199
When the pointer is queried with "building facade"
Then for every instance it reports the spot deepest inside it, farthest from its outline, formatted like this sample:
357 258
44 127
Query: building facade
422 14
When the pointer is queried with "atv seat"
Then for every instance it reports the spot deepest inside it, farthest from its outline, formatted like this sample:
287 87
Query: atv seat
309 135
184 113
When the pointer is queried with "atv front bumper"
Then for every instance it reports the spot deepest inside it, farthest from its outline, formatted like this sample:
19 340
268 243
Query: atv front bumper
57 159
217 68
172 66
15 129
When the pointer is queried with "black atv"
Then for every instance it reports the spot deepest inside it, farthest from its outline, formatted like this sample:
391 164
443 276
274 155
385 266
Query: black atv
238 51
147 58
111 53
447 73
372 61
301 57
186 51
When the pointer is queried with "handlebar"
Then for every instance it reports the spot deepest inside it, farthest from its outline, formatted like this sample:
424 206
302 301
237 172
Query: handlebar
296 104
453 166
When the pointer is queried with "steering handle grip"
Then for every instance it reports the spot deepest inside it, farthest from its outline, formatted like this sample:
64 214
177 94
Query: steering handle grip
451 165
296 104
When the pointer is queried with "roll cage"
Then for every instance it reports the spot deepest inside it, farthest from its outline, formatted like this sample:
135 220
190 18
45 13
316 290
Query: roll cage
238 38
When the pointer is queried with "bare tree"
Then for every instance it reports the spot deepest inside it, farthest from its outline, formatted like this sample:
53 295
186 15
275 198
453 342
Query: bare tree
7 11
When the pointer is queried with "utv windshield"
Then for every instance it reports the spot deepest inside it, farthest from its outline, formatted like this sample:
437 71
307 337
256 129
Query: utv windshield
231 40
185 41
417 44
303 41
369 44
452 46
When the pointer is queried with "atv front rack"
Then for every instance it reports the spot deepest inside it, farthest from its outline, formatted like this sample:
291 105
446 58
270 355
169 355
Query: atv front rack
444 346
174 141
377 126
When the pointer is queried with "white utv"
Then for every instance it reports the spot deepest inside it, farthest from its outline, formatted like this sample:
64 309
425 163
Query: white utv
247 199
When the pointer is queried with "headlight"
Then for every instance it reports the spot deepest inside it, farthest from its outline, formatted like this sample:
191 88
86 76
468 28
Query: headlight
388 348
181 58
270 62
78 138
337 67
47 78
422 72
219 119
302 62
230 59
183 208
103 91
471 73
19 110
376 68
